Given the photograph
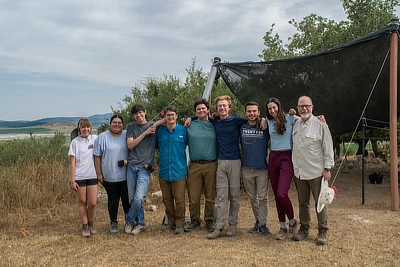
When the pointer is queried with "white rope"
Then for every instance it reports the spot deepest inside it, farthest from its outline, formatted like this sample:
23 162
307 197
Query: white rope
362 114
176 98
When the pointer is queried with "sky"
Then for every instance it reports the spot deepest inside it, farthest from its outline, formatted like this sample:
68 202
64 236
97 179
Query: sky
81 57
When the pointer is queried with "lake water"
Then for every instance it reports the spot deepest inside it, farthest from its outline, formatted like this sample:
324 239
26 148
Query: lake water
6 137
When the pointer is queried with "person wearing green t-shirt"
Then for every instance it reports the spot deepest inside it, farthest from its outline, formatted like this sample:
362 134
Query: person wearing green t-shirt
203 166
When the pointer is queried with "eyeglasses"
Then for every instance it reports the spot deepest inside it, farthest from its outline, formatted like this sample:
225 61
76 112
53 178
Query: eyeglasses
304 106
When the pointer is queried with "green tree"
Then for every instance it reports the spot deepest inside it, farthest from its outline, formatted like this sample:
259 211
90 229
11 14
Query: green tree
156 93
316 33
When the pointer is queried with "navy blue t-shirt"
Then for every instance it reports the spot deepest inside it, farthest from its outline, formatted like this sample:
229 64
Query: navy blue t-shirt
254 147
228 136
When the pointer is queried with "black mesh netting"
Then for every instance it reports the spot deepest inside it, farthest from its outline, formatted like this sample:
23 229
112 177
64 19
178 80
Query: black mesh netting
339 81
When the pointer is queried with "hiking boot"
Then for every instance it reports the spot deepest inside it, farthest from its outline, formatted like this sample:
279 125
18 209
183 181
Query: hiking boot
191 225
301 235
92 230
179 230
264 230
85 230
113 227
292 229
281 234
321 237
138 229
231 232
216 233
167 227
255 228
210 225
128 227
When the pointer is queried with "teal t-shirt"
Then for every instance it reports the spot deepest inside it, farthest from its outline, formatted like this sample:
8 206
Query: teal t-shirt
202 140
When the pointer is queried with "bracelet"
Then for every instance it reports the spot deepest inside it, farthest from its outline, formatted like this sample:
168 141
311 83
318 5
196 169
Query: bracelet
71 182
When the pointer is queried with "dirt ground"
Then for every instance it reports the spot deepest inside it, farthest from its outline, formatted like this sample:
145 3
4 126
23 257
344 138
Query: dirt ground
359 235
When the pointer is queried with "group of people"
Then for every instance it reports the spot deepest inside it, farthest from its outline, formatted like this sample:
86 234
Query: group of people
222 148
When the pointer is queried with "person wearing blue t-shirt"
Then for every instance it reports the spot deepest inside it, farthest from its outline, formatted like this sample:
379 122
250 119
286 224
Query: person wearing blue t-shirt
280 167
109 148
254 166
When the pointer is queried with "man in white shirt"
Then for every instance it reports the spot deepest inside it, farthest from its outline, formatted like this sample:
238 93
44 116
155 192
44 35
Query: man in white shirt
313 159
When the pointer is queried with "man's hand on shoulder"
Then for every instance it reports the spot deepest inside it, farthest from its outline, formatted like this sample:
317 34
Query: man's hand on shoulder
187 123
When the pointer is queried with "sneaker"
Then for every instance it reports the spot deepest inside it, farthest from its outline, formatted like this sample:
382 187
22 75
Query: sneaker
138 229
255 228
231 232
301 235
210 225
292 229
92 230
128 227
113 227
281 234
85 230
191 225
264 230
167 227
216 233
321 237
179 230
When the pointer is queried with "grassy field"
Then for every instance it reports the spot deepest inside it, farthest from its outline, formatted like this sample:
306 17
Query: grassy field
39 225
359 235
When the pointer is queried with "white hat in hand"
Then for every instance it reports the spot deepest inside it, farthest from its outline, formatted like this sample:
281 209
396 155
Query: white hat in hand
326 195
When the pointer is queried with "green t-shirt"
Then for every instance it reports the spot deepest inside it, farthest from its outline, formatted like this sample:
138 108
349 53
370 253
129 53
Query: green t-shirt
202 140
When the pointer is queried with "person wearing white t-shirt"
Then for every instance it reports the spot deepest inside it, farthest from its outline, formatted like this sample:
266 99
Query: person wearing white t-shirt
82 175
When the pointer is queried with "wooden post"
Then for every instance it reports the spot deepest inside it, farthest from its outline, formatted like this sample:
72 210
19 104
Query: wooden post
394 42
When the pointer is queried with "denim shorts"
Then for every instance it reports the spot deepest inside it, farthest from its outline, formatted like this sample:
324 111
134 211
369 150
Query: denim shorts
87 182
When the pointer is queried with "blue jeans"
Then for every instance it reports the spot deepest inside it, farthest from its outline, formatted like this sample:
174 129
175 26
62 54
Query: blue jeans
138 179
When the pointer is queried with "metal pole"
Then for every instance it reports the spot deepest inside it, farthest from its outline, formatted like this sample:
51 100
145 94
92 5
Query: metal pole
211 78
394 42
363 163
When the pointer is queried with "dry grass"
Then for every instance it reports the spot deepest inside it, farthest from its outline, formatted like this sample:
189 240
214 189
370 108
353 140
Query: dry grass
31 183
360 235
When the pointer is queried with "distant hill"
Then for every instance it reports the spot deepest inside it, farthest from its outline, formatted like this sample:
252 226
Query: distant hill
96 120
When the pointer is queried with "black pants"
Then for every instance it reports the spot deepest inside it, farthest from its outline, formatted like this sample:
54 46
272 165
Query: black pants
115 192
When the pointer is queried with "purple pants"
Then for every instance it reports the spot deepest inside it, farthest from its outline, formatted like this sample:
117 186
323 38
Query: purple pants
280 172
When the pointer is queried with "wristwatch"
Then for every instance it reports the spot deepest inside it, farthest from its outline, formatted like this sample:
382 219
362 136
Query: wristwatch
326 169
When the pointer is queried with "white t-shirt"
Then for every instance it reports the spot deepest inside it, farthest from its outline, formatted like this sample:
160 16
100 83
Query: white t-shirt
82 149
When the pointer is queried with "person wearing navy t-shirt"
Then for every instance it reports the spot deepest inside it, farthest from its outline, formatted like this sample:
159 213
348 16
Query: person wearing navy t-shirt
254 166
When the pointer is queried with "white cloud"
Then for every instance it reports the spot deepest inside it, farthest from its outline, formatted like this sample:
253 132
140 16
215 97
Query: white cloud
115 44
